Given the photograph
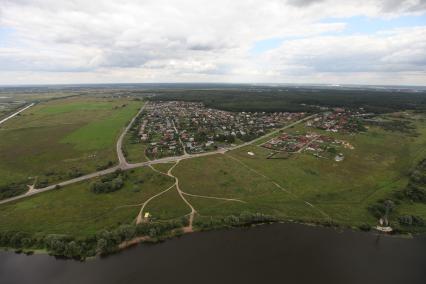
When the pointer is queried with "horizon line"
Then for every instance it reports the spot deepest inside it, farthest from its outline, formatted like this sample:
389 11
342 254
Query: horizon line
213 83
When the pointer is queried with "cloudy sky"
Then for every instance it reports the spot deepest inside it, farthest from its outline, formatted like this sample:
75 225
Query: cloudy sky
276 41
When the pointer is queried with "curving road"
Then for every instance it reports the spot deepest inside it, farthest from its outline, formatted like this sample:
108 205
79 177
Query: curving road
124 165
122 162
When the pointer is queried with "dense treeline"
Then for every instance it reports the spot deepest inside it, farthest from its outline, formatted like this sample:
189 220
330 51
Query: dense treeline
103 243
416 188
299 99
415 191
108 241
245 218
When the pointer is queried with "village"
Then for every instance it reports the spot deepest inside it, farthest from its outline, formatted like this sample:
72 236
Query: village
339 120
174 128
319 145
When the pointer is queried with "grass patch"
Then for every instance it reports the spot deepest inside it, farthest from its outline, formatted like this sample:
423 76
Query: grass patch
75 210
53 139
167 206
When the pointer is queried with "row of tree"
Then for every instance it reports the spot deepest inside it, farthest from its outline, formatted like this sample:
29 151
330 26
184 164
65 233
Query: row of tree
103 243
107 241
244 219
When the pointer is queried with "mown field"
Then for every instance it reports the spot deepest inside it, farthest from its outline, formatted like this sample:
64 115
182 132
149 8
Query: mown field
62 138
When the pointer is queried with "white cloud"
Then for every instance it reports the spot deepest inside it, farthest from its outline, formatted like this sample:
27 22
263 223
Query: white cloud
396 51
58 41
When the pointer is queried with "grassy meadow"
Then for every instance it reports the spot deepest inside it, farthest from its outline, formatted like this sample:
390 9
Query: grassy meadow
61 138
377 167
135 152
77 211
301 187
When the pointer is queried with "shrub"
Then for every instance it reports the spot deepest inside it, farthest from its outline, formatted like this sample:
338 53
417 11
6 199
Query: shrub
411 220
105 185
13 189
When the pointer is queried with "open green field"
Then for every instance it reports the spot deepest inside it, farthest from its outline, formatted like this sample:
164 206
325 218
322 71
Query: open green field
77 211
301 187
377 167
58 139
223 177
135 152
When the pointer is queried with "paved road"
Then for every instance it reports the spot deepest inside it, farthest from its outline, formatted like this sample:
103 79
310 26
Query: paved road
64 183
124 165
121 159
16 113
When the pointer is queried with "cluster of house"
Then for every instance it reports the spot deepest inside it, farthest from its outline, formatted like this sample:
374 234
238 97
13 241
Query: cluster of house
169 126
321 146
339 119
157 131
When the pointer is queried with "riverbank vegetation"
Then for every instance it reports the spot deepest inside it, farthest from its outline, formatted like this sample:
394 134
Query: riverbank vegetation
102 243
412 195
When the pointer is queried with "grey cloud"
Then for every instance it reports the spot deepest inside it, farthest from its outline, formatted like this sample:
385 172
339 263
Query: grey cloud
400 51
302 3
403 5
155 37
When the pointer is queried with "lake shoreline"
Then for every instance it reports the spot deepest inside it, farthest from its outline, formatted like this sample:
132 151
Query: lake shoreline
177 233
304 254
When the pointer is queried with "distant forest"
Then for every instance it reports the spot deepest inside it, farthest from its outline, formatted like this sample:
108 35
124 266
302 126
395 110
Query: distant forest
294 99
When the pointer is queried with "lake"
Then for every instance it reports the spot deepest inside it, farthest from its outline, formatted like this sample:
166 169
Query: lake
278 253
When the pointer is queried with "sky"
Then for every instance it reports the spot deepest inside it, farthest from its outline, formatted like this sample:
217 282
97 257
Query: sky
235 41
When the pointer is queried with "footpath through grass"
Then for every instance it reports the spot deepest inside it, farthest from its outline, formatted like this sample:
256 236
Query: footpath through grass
77 211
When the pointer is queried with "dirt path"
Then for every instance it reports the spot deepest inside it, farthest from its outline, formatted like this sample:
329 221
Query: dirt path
189 228
181 193
140 218
212 197
280 187
31 187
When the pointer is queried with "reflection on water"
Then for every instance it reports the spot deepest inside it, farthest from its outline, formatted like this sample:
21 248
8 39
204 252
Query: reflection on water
279 253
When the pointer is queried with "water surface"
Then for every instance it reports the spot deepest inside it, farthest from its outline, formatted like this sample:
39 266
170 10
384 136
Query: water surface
279 253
